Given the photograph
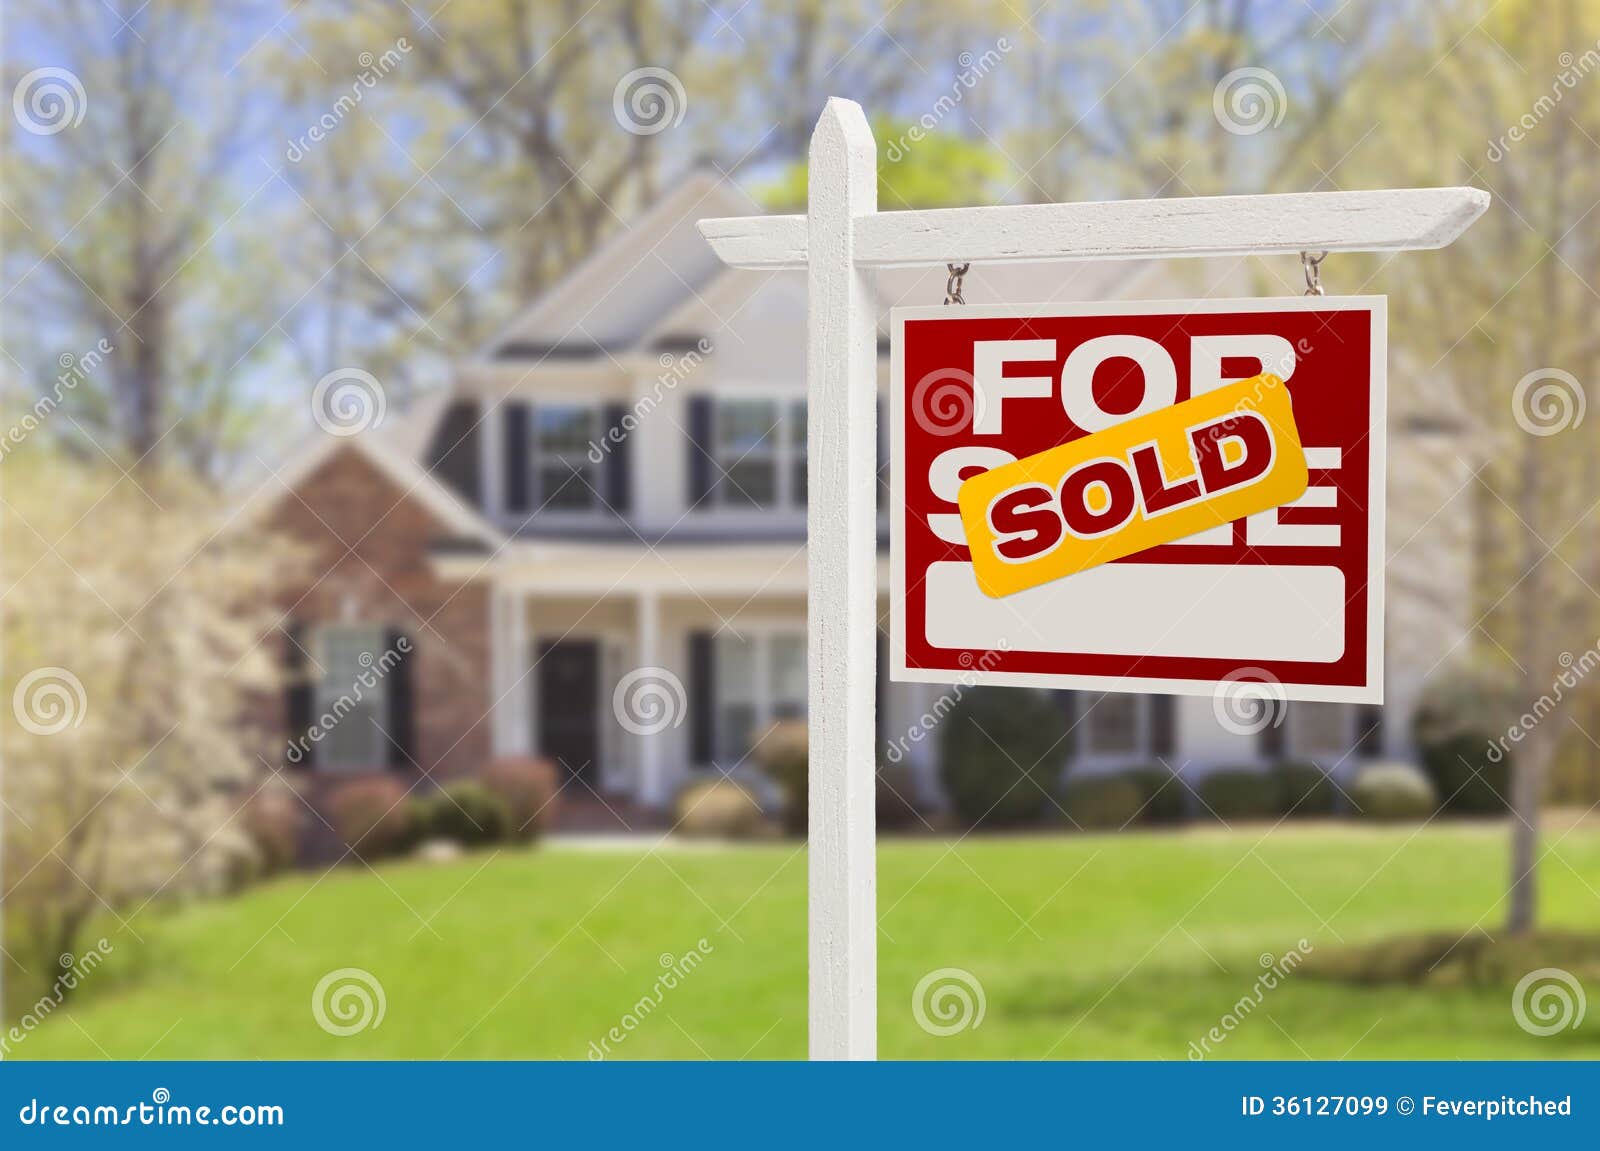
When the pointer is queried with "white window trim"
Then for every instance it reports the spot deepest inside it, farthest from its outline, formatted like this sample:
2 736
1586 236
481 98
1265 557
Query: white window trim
596 473
785 454
761 637
325 694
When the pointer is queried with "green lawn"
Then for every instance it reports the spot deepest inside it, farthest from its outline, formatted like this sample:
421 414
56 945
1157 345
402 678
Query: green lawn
1123 946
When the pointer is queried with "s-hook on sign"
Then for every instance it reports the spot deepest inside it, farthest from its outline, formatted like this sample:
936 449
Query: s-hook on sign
1142 496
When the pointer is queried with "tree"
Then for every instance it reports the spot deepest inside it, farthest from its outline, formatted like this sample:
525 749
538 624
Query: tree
126 223
935 170
126 757
1503 102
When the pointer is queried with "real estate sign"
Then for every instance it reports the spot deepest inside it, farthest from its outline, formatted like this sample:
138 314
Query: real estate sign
1150 496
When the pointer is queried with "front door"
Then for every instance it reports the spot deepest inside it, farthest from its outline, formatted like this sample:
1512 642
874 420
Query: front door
569 681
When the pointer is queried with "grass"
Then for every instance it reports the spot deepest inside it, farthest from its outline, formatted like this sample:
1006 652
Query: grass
1086 946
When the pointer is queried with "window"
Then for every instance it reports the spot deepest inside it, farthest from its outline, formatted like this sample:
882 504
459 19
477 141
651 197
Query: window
1114 725
1320 729
761 678
759 446
348 712
564 477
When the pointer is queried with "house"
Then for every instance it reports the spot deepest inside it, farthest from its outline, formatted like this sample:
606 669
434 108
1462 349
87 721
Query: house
594 545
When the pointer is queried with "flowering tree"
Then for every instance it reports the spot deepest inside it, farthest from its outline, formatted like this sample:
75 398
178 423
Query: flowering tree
132 630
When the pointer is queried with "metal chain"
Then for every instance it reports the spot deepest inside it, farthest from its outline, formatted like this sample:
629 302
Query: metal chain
952 286
1312 266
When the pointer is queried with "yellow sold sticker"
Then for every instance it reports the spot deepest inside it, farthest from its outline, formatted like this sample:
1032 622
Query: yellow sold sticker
1218 457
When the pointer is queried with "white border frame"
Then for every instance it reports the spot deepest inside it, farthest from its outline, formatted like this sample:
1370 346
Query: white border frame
1377 419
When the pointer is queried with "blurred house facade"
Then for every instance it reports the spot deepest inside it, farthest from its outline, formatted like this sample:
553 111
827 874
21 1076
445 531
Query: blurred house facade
594 543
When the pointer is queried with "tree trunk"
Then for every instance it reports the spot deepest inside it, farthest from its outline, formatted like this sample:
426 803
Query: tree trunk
1527 785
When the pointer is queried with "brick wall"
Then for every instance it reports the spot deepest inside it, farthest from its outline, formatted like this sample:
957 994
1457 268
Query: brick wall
368 563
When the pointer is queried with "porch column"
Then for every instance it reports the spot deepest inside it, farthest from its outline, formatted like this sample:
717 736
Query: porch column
520 674
646 649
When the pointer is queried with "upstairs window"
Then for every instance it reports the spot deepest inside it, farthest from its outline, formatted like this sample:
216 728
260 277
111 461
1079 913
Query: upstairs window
564 477
759 447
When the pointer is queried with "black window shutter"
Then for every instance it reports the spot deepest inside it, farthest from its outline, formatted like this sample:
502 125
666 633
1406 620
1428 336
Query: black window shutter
619 473
1272 742
454 453
699 448
300 694
400 722
1163 726
518 419
1369 730
702 697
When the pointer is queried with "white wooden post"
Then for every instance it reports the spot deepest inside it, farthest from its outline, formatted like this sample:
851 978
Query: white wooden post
842 563
648 625
841 235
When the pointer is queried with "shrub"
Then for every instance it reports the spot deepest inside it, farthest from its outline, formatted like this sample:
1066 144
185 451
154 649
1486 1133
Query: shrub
373 817
1103 801
1001 751
897 798
1461 716
782 755
1162 797
1232 793
529 790
1304 790
719 809
1393 791
466 812
273 819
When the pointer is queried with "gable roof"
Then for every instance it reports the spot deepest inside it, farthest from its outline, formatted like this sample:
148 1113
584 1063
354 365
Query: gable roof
621 290
414 480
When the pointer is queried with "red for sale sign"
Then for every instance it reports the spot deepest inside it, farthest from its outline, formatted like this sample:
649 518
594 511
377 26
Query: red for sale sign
1147 496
